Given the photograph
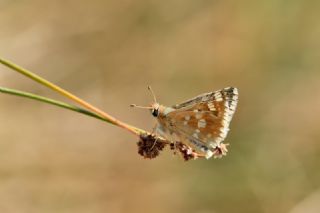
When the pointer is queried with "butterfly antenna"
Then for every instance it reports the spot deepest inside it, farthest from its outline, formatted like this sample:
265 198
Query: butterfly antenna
146 107
141 107
153 95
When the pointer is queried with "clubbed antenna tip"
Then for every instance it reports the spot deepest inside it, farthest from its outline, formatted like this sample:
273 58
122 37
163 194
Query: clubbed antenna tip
153 95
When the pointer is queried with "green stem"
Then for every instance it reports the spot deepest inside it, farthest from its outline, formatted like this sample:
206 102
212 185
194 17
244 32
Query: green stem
69 95
50 101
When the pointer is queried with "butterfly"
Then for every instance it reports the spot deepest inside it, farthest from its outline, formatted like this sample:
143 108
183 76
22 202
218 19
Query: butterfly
201 123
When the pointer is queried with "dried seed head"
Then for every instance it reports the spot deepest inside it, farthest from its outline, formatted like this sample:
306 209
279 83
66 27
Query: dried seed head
149 146
187 152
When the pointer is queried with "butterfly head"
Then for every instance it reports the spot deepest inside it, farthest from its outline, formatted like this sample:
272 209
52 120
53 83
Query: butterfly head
155 108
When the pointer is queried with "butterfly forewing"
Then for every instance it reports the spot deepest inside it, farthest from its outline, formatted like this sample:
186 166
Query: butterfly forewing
203 122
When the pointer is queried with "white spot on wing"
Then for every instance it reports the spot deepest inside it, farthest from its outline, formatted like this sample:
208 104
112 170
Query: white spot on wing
202 123
211 106
218 96
235 91
195 135
187 117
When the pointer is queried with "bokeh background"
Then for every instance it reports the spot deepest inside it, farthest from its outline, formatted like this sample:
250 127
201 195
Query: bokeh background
107 52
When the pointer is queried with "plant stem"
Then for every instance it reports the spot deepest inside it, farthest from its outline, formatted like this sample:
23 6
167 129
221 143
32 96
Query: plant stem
69 95
50 101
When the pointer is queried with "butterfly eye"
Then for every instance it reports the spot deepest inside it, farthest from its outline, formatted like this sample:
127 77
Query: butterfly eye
155 112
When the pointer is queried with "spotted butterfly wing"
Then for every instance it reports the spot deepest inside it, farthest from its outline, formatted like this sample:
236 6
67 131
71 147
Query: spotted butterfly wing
203 122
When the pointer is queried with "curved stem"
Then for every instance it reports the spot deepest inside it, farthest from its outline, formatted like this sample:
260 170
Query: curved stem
50 101
69 95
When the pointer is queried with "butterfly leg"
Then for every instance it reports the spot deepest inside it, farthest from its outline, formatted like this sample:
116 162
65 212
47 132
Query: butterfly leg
154 132
166 134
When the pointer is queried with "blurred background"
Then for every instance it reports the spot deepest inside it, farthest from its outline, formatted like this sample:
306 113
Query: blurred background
107 52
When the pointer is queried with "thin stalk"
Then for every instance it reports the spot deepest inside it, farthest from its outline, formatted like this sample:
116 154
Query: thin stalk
50 101
69 95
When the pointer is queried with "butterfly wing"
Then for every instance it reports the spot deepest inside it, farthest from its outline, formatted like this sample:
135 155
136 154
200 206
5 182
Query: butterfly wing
228 94
203 122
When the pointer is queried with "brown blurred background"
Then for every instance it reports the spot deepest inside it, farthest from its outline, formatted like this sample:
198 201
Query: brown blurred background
107 52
